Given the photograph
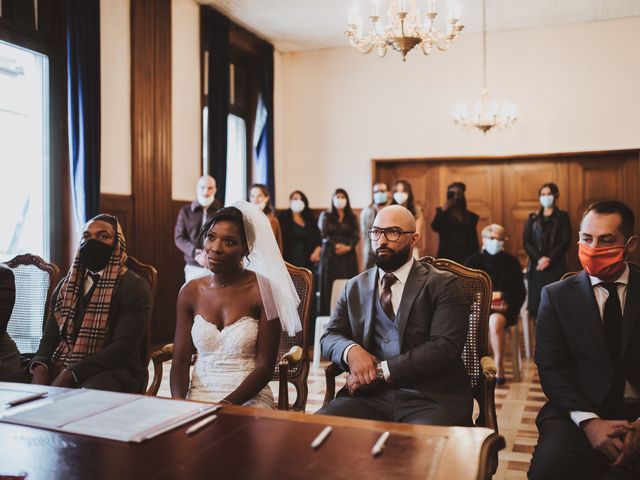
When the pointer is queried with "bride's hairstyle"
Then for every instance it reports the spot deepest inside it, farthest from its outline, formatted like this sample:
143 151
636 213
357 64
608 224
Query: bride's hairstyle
233 215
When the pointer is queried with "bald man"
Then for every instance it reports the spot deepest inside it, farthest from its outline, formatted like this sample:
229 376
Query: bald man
190 221
399 329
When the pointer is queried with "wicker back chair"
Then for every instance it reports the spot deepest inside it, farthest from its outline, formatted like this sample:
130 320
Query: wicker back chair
150 275
476 286
35 280
293 366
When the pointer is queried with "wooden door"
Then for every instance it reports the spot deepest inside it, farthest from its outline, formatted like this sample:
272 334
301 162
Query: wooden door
521 182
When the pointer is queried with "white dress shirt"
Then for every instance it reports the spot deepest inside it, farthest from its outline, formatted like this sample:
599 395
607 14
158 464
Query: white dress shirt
397 289
602 294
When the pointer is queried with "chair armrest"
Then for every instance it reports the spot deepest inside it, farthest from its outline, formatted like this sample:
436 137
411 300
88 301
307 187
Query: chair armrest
158 358
488 416
330 374
489 368
292 357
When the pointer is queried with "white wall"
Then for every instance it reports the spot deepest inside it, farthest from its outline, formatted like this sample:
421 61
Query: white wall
577 88
115 104
185 98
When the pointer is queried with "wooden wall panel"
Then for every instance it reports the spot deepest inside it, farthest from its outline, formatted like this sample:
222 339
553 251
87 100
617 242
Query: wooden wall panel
151 152
120 206
504 190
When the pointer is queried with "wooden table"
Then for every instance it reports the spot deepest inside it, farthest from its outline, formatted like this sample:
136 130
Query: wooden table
258 444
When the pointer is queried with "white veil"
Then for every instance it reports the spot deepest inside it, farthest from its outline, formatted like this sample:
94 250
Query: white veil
279 296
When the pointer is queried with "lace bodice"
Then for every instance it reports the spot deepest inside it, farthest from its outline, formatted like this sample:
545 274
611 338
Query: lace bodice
225 358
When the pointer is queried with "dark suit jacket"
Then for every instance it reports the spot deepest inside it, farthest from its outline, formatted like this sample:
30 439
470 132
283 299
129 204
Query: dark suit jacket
573 359
188 227
128 314
433 320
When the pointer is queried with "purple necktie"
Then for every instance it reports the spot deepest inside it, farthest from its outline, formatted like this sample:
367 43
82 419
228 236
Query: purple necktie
385 298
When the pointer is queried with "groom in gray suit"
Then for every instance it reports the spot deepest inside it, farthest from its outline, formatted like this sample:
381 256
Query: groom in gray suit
399 329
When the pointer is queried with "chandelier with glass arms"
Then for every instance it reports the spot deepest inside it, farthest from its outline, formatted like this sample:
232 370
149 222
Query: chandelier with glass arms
405 28
486 113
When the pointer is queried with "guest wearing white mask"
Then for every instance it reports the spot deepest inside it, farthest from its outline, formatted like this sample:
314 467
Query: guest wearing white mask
546 238
190 220
259 195
403 196
508 288
301 240
339 231
381 198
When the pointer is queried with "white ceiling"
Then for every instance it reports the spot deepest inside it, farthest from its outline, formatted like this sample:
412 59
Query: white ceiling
294 25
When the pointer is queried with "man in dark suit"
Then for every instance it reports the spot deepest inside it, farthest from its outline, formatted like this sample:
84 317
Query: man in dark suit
399 330
9 354
94 333
588 356
190 220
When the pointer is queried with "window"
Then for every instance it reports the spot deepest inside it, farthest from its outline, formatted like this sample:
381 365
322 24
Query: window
24 152
236 185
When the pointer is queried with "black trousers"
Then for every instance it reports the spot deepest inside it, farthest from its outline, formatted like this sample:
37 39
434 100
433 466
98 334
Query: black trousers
390 405
563 452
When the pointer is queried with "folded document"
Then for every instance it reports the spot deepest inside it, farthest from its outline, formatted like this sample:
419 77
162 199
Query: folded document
116 416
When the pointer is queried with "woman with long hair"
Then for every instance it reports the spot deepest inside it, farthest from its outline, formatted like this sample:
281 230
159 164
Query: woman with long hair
301 242
403 196
259 196
339 230
546 238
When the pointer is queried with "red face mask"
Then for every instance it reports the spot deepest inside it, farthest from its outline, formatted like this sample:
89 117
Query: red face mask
602 262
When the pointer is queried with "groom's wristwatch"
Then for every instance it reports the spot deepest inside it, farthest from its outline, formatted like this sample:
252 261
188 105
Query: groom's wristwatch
379 372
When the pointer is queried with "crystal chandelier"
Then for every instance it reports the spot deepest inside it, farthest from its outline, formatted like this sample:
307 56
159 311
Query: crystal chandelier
404 29
486 113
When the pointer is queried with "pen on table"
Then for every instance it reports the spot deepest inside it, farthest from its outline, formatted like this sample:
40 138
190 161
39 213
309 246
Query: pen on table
196 427
28 398
319 440
379 445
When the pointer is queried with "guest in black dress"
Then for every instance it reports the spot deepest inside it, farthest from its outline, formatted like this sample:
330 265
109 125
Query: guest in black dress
456 226
508 288
339 230
546 238
301 240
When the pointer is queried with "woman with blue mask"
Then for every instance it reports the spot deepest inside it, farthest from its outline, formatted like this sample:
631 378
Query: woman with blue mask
546 238
508 288
381 198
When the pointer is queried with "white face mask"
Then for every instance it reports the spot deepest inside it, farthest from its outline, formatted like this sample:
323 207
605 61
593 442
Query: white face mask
297 206
547 200
205 201
492 245
339 203
380 198
262 205
401 197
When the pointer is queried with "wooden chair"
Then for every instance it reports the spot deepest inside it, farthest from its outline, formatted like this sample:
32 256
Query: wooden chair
35 281
150 275
293 366
481 368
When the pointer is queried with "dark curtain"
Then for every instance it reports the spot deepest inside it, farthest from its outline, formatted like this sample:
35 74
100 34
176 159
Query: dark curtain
215 37
264 147
83 102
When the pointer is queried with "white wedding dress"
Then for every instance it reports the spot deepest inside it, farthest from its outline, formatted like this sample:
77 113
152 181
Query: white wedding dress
225 358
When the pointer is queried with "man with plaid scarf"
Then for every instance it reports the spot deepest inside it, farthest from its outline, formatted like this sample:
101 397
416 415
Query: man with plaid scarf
94 335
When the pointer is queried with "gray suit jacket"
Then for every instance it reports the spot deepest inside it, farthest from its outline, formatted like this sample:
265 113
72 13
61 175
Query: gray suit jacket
433 320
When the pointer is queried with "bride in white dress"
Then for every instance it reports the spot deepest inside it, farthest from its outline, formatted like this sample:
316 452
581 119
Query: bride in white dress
228 316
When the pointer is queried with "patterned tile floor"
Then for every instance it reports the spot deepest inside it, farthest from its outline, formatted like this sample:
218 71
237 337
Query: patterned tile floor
517 405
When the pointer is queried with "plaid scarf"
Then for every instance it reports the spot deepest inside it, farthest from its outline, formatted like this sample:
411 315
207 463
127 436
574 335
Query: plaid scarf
93 330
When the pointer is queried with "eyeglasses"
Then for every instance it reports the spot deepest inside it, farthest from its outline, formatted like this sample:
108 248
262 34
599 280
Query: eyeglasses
392 233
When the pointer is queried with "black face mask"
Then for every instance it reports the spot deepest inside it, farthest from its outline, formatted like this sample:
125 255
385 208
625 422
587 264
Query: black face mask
95 255
394 262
